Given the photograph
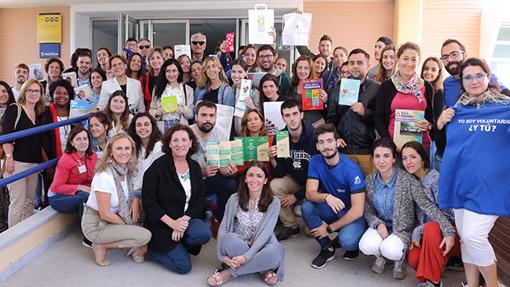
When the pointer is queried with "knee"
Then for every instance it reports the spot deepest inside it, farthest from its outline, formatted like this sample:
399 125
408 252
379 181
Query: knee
183 267
369 244
200 235
413 257
349 241
432 232
392 248
307 208
276 186
143 237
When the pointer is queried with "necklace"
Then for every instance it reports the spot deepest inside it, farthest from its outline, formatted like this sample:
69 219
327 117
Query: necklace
185 176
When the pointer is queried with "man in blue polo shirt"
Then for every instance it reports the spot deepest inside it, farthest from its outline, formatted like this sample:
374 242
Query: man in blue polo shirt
339 205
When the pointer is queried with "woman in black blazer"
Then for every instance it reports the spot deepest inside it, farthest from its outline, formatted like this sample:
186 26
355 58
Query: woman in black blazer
173 200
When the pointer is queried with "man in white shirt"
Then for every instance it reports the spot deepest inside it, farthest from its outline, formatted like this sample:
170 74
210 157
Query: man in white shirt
20 76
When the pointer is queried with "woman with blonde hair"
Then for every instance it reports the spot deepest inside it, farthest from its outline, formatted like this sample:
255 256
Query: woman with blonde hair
212 85
112 211
23 153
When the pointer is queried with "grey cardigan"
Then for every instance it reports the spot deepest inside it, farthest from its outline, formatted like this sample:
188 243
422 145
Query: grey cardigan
263 235
408 190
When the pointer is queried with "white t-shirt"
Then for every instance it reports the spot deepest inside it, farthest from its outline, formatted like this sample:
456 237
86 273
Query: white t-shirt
145 163
103 182
186 184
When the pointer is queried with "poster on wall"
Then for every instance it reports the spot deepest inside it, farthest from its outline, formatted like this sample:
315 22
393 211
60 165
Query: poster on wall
49 28
49 50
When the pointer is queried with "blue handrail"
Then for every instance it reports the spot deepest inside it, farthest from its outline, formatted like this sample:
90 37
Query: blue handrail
36 130
40 129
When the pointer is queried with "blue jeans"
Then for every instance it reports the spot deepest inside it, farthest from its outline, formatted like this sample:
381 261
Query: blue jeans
69 203
223 187
177 260
314 213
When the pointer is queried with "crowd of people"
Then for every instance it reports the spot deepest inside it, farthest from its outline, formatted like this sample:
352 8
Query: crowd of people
138 174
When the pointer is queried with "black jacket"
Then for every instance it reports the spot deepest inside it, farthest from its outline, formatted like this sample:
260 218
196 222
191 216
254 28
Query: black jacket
162 193
385 96
357 131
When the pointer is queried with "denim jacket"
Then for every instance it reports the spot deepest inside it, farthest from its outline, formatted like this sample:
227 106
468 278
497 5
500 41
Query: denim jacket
383 198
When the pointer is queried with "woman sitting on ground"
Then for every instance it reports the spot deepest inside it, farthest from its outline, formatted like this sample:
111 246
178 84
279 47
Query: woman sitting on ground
173 197
246 241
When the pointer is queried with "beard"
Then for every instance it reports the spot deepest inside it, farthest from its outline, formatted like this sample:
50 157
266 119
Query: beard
205 127
330 156
453 70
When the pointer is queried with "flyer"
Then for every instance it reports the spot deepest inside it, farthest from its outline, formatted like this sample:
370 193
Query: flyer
182 49
84 101
236 152
224 153
213 153
310 94
282 144
71 77
169 103
260 25
229 42
244 92
296 29
349 92
255 148
273 117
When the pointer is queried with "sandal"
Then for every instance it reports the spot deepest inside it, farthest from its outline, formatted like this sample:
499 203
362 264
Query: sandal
218 279
270 278
137 259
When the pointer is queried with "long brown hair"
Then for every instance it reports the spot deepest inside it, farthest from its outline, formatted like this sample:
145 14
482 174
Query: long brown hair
381 75
266 197
295 80
124 117
437 84
244 124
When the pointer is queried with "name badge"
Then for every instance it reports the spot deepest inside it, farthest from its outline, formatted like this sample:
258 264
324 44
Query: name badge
82 169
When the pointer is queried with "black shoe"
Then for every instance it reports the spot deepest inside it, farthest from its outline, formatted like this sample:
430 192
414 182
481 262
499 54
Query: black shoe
351 255
287 233
336 243
86 242
323 258
455 264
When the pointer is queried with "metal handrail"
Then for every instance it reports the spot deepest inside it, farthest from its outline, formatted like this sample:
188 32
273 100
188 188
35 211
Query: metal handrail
36 130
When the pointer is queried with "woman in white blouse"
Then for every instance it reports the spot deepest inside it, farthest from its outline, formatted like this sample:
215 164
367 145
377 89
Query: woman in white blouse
172 102
112 211
131 87
147 139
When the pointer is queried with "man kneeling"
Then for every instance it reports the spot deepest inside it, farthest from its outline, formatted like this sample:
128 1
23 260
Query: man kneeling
339 205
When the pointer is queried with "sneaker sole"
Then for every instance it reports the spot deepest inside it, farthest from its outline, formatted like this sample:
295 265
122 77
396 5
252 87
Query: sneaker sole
86 245
326 263
350 258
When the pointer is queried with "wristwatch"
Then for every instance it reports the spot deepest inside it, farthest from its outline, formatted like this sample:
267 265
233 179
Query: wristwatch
329 229
8 155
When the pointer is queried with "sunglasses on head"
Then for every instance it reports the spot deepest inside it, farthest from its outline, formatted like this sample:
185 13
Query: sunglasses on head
198 43
144 47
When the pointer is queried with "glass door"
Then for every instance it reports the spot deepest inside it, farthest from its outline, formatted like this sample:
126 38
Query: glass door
165 32
127 28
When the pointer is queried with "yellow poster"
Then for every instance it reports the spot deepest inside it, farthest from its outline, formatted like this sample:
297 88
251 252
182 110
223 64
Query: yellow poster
49 28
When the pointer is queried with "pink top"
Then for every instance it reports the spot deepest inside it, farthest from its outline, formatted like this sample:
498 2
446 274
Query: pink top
73 170
408 102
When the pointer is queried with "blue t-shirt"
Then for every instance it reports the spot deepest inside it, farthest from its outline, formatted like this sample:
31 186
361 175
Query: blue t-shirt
341 181
475 167
451 87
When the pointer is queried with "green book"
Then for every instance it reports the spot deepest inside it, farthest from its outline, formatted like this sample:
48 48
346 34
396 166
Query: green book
213 153
169 103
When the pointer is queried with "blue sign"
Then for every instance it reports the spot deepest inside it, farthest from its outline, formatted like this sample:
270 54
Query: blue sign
49 50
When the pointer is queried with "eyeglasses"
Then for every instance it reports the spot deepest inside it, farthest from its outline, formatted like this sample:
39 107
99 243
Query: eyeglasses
198 43
266 56
453 55
474 77
141 47
30 91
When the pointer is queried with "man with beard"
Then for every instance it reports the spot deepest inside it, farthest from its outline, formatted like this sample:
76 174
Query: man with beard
325 47
220 181
354 123
266 57
20 76
84 65
339 204
290 173
453 54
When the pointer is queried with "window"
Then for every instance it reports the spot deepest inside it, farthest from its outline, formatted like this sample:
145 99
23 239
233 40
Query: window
500 61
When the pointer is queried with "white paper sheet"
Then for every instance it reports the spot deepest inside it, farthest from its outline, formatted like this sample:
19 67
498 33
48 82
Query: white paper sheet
260 23
296 29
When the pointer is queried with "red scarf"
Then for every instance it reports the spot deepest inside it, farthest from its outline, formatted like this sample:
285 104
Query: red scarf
58 148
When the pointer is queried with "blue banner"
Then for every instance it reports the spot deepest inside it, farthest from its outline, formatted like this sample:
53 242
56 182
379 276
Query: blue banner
49 50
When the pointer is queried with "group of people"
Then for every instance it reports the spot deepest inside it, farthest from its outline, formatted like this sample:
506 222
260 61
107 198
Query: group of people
344 175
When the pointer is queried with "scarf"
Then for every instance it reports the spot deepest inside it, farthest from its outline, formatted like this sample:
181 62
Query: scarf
117 172
413 86
489 96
